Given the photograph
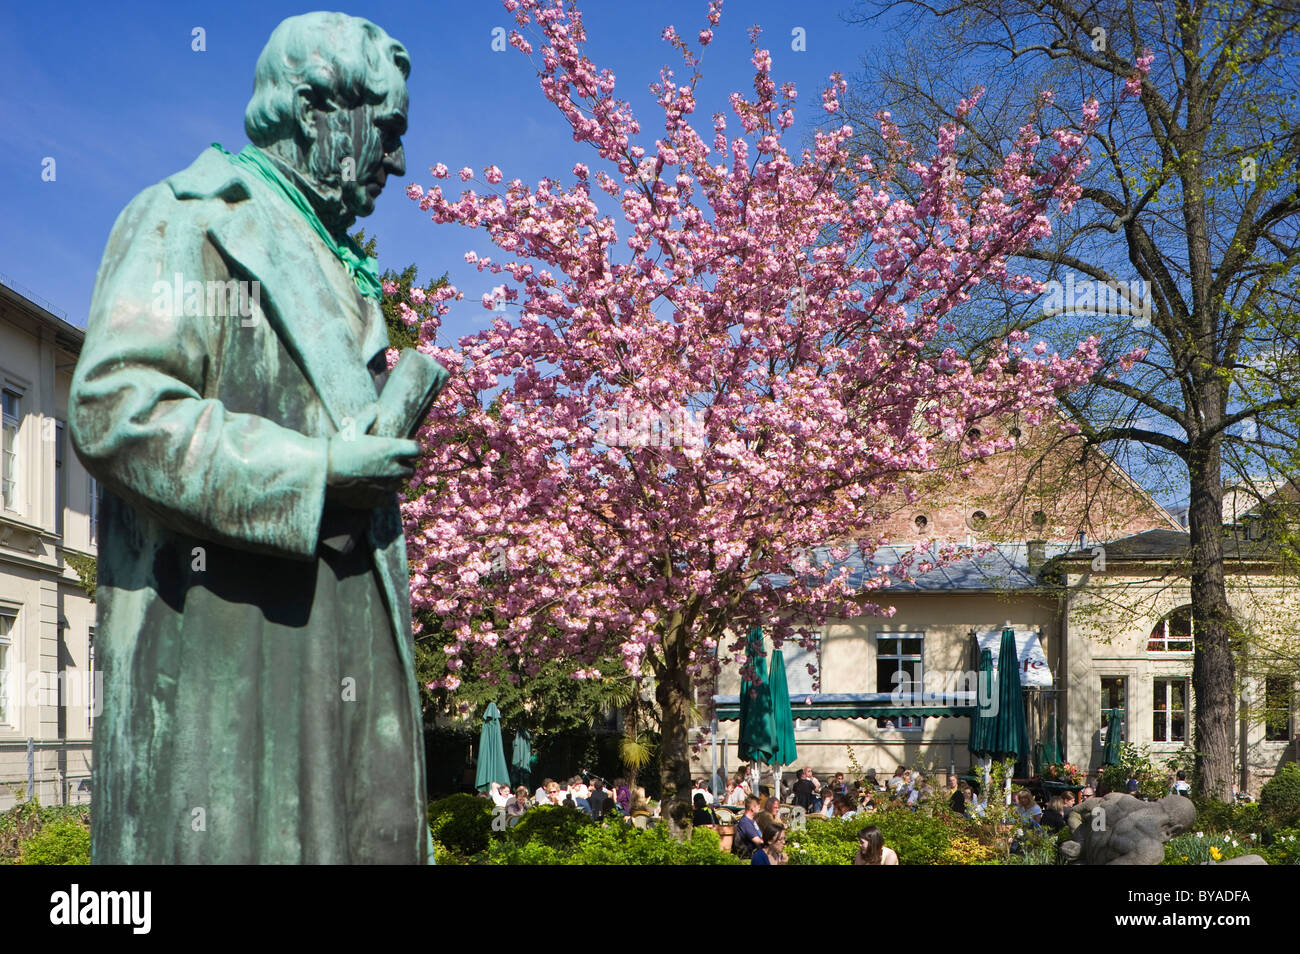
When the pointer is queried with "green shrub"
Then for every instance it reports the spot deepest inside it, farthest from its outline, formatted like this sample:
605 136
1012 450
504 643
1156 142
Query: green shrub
1283 848
25 820
462 824
614 843
1135 762
63 842
823 841
556 826
1279 799
1213 815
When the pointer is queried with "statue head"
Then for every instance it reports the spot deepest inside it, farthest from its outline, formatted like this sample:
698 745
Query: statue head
330 100
1180 815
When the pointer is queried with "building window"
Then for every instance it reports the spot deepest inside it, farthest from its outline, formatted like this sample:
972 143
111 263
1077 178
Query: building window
1113 696
8 622
91 697
10 420
1173 634
1169 713
900 670
60 477
798 680
1277 709
92 508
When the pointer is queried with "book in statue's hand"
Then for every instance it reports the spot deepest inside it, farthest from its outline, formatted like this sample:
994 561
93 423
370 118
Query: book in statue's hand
408 394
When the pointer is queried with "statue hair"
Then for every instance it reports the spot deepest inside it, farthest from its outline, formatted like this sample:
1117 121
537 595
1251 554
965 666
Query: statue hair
341 57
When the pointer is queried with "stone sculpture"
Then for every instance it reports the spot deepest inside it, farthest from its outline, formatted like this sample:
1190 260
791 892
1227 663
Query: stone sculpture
1119 829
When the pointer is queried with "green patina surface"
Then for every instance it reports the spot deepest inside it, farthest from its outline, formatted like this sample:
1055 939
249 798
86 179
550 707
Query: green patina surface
260 701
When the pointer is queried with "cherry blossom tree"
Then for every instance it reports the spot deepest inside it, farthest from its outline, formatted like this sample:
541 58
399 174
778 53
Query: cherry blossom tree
639 456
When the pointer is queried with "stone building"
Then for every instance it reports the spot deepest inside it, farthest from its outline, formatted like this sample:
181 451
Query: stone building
47 518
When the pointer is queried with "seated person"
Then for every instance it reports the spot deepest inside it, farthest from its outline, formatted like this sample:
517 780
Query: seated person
1027 810
703 814
1054 818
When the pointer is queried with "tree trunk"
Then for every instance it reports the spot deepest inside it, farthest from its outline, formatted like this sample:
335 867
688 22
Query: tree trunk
673 693
1214 666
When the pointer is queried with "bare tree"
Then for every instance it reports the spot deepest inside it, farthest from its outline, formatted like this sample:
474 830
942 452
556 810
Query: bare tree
1184 242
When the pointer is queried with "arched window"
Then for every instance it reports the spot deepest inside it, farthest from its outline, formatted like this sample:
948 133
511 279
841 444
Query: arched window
1173 634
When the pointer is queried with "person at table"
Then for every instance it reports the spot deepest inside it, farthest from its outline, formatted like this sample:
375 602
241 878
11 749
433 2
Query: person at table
805 791
826 802
703 814
596 798
872 849
1027 810
1053 819
748 837
957 800
921 792
773 850
518 803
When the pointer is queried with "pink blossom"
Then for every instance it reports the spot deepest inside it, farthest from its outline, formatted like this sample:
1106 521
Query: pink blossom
627 459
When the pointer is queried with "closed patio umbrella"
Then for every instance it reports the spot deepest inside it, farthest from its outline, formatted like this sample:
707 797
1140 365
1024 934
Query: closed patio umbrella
981 723
491 752
785 751
1114 731
521 758
757 730
1009 736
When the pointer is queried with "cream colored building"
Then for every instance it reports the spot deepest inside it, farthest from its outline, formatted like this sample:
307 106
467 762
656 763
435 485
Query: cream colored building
1097 627
1130 638
47 503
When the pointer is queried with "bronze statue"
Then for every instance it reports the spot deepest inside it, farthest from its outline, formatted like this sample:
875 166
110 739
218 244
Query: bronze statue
260 697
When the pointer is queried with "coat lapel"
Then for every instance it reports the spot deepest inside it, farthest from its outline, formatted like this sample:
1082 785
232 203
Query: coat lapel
302 308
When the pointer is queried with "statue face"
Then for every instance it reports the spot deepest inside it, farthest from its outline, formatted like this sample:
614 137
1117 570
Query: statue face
354 150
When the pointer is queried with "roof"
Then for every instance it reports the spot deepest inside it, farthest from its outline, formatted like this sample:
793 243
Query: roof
998 567
1169 545
66 334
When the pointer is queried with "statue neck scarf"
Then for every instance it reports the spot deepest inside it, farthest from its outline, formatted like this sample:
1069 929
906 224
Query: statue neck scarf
359 265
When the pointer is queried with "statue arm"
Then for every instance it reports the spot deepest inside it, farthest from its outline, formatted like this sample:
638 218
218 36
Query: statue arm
138 418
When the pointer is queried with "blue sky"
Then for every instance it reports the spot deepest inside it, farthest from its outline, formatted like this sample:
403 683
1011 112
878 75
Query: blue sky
117 97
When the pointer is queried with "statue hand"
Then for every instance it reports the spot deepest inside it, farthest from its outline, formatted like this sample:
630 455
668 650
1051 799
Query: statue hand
365 471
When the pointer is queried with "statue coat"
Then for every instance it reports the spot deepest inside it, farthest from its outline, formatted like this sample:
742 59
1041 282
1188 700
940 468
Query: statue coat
260 703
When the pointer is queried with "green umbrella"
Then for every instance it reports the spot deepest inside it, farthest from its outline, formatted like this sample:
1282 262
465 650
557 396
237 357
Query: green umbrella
981 723
1115 728
1010 736
785 752
491 752
757 727
521 758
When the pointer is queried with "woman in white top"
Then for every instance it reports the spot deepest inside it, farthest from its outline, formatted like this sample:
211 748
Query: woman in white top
500 794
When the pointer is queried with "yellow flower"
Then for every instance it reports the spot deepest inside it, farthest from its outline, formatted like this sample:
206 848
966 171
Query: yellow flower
1215 853
1184 857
